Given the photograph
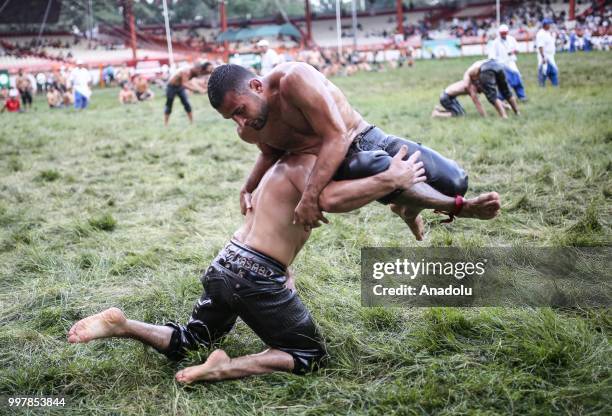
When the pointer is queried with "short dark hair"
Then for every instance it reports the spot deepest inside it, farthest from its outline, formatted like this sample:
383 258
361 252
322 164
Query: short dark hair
204 65
226 78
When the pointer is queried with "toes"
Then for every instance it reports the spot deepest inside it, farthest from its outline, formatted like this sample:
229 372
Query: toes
182 377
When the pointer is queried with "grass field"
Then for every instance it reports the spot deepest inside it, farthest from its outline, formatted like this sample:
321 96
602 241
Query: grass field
107 208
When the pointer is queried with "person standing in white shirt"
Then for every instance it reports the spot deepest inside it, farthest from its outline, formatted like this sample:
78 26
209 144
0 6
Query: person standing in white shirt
80 79
504 49
545 44
269 57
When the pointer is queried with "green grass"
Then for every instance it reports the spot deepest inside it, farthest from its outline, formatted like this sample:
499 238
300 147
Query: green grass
108 208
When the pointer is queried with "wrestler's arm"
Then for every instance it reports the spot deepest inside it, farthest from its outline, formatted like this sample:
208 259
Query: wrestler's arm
192 85
348 195
514 105
473 92
309 94
499 106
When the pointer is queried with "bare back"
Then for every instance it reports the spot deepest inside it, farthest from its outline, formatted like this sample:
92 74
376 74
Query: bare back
457 88
289 127
268 226
474 70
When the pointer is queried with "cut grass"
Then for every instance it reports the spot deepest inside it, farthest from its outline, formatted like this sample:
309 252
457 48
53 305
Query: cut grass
107 208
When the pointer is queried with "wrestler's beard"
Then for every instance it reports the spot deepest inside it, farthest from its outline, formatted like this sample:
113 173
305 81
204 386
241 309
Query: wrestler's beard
259 122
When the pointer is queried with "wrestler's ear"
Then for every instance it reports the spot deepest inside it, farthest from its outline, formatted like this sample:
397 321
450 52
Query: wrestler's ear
256 85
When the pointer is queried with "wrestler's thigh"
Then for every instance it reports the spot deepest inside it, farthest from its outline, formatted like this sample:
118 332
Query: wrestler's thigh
280 319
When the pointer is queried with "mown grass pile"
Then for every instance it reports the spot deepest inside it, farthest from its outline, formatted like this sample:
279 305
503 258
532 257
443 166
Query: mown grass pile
107 208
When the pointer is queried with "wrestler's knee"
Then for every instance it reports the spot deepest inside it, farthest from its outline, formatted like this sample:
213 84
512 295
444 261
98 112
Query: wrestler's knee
460 183
307 361
363 164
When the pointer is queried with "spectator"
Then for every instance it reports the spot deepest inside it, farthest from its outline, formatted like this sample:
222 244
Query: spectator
503 50
545 44
12 103
41 82
269 57
24 86
122 74
126 95
54 98
141 86
108 74
80 79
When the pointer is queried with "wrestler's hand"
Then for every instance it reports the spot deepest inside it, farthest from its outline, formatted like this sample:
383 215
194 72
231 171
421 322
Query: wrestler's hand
308 213
245 201
406 173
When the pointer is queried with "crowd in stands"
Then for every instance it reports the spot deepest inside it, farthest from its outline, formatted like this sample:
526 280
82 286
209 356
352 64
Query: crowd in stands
54 48
522 19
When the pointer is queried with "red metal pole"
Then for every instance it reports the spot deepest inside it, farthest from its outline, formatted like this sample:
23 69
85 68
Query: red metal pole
572 10
223 18
128 23
400 16
308 22
132 32
222 15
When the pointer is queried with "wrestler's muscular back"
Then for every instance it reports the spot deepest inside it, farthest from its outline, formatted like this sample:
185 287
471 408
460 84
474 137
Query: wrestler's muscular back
269 227
288 127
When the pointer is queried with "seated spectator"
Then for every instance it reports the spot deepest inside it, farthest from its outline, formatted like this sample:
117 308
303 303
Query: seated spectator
122 74
126 95
12 104
68 97
54 98
141 85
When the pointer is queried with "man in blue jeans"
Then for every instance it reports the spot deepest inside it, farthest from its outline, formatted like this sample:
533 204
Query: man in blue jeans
80 79
504 50
545 44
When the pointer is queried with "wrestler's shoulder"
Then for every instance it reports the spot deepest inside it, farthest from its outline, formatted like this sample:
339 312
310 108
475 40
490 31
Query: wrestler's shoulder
294 71
295 78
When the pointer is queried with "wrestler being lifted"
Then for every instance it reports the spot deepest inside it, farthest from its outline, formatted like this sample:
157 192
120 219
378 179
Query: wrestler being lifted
249 277
296 109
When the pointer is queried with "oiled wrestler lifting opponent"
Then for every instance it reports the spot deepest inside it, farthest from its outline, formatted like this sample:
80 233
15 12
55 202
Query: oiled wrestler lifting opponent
249 277
296 109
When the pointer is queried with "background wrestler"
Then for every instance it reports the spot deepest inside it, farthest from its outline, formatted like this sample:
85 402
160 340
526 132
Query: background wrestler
248 276
296 109
485 76
181 80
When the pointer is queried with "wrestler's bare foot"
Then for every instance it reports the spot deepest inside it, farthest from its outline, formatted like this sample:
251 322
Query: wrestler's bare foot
484 206
108 323
209 371
440 113
412 218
